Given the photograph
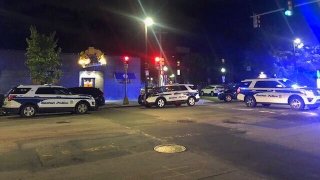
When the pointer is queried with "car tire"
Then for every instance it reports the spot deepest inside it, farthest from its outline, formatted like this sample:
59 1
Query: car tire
160 102
296 103
250 101
140 100
201 93
228 98
212 93
147 105
81 108
28 111
266 105
191 101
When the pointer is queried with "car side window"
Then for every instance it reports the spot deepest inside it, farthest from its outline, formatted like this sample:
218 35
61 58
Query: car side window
176 88
266 84
245 84
183 88
45 91
61 91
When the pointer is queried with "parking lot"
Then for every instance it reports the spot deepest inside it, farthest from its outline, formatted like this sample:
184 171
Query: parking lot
222 140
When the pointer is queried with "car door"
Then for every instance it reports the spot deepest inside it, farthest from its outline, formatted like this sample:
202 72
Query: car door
64 99
168 93
265 91
47 98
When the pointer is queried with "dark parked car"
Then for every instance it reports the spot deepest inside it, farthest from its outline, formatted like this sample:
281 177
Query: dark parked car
1 99
229 93
96 93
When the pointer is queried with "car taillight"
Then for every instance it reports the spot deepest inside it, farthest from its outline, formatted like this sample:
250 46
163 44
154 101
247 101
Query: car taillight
238 90
11 97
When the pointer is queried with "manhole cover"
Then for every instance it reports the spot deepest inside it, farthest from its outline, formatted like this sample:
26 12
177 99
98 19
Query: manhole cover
169 148
185 121
62 122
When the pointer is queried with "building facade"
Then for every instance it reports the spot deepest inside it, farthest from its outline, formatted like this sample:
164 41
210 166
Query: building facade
109 78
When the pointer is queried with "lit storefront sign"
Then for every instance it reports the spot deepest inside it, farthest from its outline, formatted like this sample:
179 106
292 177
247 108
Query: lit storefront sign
92 57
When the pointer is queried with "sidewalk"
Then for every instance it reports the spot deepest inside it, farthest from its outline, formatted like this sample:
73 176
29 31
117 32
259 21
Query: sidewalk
119 103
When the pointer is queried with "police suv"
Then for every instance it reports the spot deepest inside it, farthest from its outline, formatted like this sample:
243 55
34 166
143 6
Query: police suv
278 91
176 94
27 100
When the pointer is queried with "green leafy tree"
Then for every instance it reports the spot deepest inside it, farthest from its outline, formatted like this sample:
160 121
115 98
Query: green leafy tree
43 58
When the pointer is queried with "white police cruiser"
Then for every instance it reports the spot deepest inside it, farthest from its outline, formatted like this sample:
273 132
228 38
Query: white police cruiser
278 91
176 94
27 100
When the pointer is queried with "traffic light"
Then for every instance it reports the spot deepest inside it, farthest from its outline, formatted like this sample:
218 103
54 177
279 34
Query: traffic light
289 11
256 21
126 59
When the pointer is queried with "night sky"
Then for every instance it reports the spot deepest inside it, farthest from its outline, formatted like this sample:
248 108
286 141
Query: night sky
218 27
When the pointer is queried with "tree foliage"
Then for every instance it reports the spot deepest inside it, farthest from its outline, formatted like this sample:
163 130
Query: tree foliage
43 57
302 63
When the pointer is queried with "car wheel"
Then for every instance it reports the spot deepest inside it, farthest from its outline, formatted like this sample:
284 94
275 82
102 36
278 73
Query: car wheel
266 105
228 98
191 101
28 111
140 99
250 101
212 93
147 105
201 93
160 102
296 103
81 108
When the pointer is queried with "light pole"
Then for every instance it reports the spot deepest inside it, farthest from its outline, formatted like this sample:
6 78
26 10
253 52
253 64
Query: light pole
147 22
126 64
165 69
297 43
223 77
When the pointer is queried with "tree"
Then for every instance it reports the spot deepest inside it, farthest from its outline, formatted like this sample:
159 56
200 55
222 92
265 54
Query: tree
300 65
43 57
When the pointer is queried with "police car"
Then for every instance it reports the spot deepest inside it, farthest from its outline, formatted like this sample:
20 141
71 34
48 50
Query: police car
176 94
27 100
278 91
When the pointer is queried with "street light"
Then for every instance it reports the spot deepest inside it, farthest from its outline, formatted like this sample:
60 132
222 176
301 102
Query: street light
297 43
147 22
223 76
126 64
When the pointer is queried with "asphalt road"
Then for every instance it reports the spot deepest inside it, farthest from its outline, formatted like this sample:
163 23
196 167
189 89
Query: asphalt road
222 140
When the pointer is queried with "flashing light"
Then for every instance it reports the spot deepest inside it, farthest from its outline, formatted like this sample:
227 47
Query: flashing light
300 45
288 13
126 59
262 75
157 59
295 86
148 21
297 41
165 68
223 70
